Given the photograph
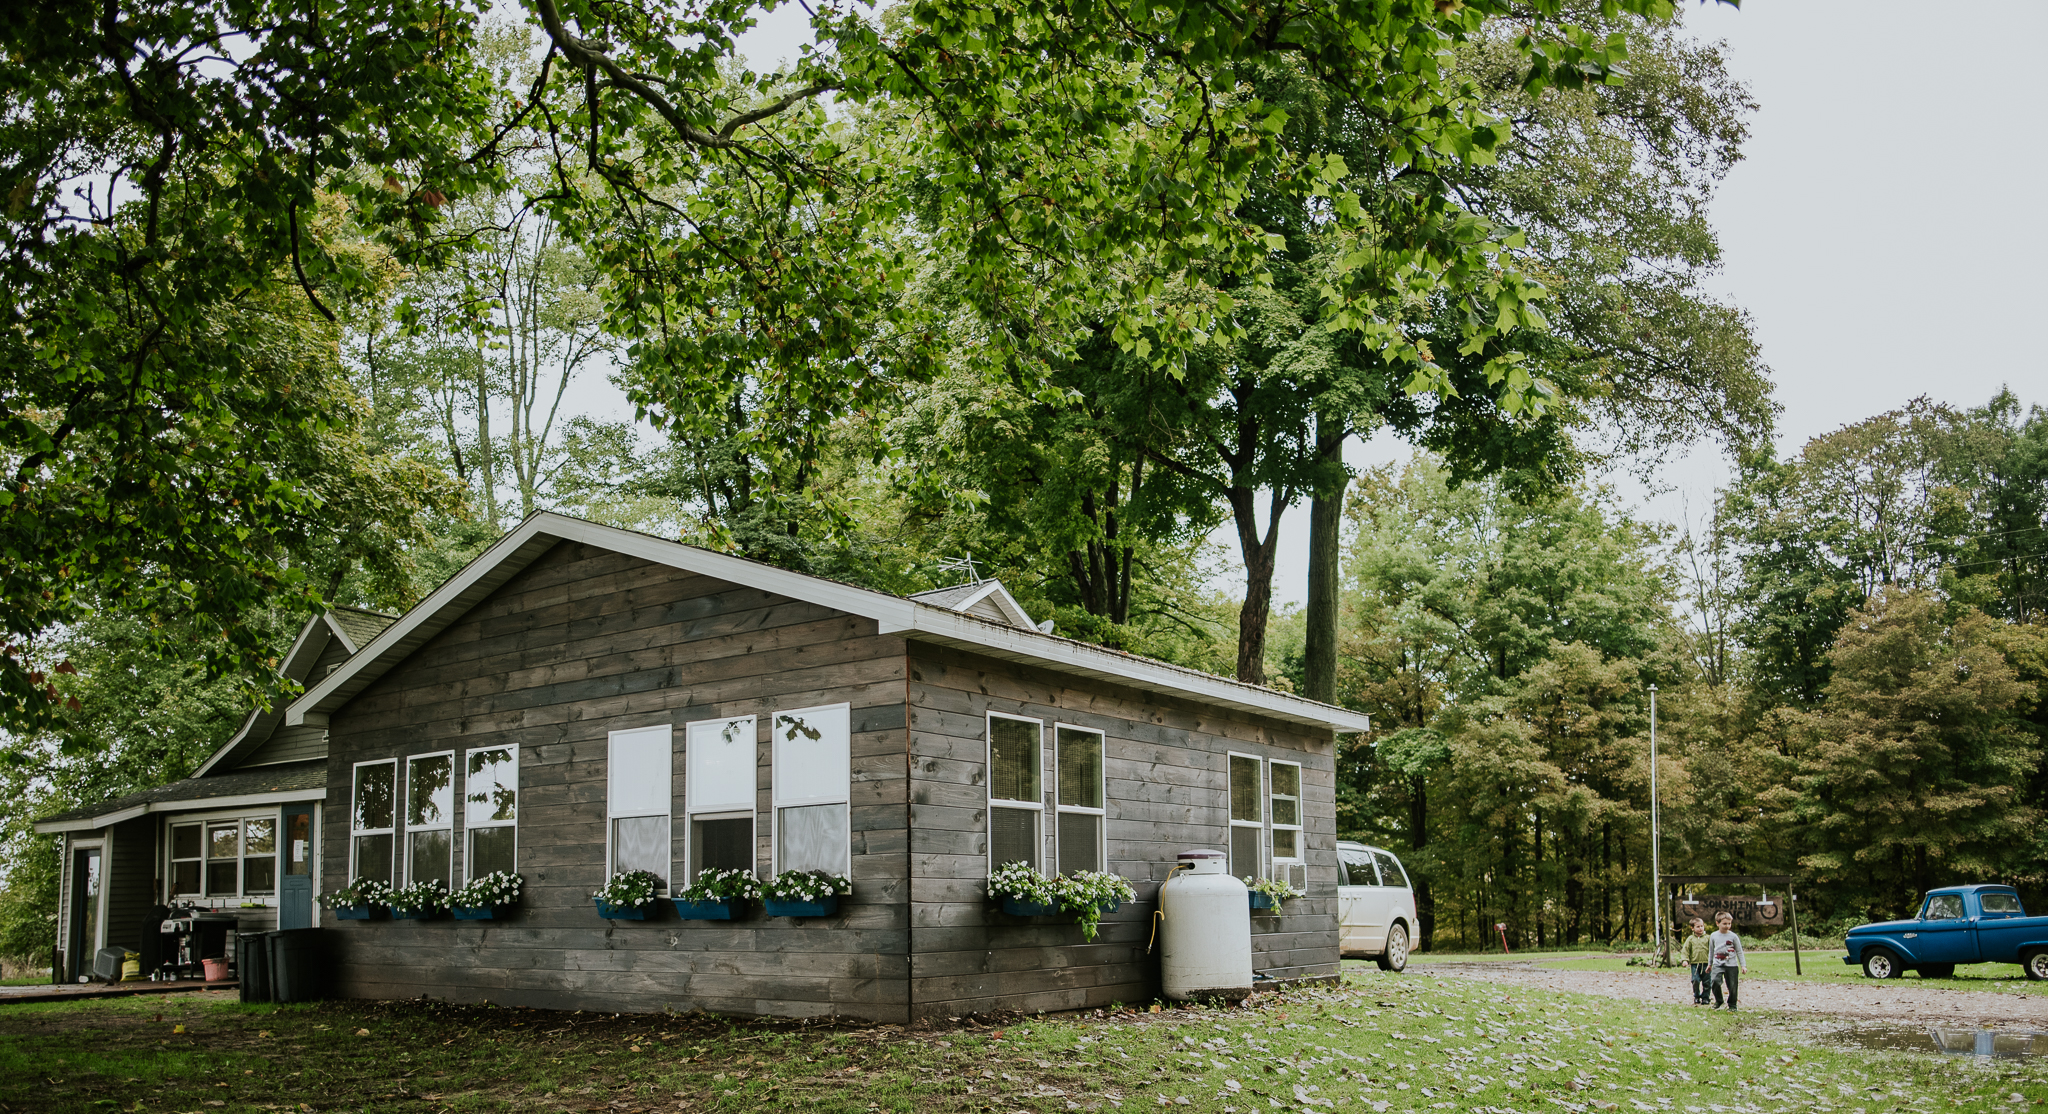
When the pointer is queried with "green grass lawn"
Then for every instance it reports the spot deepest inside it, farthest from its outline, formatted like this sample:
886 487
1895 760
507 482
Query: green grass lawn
1381 1043
1829 965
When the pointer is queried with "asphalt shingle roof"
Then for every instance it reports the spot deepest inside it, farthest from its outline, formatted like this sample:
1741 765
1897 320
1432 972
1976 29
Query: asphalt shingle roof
265 779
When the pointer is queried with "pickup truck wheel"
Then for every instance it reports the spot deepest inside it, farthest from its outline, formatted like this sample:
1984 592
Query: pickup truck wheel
2035 963
1395 958
1937 970
1881 963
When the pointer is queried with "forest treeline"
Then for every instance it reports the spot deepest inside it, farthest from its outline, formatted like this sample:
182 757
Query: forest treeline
1096 319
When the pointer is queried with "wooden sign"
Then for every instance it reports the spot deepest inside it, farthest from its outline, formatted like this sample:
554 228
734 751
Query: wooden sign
1765 912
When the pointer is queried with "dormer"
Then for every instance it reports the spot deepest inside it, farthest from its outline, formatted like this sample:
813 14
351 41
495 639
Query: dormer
983 599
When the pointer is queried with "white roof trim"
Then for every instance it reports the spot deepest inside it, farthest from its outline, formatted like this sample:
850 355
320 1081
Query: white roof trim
294 666
893 614
1004 601
196 804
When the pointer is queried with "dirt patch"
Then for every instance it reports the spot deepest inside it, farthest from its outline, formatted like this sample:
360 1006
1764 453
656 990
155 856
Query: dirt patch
1903 1000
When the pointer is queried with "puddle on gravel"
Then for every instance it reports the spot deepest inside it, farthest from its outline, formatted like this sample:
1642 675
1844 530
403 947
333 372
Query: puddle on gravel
2003 1044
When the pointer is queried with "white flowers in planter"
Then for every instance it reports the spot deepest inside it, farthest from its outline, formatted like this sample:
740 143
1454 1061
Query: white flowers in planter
1087 894
806 885
362 891
629 889
500 887
419 897
1022 882
716 884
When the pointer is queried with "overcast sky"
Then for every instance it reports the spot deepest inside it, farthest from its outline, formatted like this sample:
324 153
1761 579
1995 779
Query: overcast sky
1883 228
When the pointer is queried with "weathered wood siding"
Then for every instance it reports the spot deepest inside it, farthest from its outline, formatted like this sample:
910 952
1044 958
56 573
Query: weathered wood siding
129 873
584 642
1167 790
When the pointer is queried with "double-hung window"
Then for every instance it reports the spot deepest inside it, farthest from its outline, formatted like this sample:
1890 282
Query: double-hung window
430 818
1247 816
224 858
813 780
372 815
1077 752
187 852
1014 806
638 800
259 856
719 782
1284 803
490 821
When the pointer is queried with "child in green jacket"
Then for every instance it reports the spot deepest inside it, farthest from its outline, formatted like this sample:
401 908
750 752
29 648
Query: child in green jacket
1698 953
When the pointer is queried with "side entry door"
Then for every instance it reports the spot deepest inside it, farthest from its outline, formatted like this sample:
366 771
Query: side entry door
295 889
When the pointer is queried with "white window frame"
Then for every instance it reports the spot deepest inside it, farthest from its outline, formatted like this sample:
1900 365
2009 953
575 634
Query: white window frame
469 821
447 824
695 809
777 802
1035 807
1102 773
1259 869
667 814
1300 855
241 818
397 807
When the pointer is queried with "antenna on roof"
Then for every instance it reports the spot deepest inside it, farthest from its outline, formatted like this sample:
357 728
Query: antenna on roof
959 564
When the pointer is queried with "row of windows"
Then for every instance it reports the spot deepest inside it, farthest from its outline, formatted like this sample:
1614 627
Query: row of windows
490 797
1016 805
236 856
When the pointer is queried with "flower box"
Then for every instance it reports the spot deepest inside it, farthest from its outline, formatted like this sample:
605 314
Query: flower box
1261 901
354 912
477 913
398 914
1017 908
702 910
620 912
823 907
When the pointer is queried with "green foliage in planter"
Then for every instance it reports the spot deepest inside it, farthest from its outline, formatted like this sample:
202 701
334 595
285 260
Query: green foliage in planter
1022 882
805 885
500 887
1088 893
1276 889
629 889
722 884
362 891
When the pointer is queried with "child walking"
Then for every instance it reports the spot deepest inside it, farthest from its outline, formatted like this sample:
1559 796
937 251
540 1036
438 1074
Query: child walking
1727 959
1698 956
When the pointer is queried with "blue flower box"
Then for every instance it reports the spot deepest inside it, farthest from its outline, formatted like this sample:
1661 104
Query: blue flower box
1261 901
353 912
620 912
480 913
703 910
823 908
412 914
1017 908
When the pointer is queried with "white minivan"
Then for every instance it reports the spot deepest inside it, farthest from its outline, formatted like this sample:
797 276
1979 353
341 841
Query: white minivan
1375 905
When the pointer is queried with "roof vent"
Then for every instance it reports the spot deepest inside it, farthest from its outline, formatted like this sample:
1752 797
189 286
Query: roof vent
983 599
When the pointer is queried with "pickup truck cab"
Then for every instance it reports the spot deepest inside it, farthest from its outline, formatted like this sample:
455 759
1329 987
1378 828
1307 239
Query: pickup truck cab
1958 924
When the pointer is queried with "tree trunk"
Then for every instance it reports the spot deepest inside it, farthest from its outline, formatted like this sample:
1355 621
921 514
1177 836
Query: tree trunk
1259 555
1418 838
1325 556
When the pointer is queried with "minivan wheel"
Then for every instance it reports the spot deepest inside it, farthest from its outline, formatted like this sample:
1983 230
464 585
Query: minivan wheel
1880 963
2035 963
1395 957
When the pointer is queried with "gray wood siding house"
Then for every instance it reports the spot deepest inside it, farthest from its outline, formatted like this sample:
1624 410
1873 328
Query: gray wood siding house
568 705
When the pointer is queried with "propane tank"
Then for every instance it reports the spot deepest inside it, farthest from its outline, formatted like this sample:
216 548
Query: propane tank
1205 930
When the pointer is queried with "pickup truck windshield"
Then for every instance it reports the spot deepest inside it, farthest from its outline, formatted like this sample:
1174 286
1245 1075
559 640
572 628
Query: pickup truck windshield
2002 903
1944 907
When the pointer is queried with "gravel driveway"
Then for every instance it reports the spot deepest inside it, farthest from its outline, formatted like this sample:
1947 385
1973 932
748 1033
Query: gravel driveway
1904 1000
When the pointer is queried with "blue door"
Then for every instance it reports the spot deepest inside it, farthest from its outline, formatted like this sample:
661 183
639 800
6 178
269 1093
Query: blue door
1945 935
295 889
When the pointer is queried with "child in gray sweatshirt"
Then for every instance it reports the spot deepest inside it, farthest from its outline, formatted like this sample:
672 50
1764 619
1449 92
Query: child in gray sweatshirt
1726 949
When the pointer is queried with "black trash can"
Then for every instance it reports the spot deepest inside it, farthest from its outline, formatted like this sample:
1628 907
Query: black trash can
298 964
252 966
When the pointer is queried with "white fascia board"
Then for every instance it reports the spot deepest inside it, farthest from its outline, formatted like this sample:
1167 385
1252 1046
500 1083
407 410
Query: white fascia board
302 645
197 804
1005 603
1070 656
347 643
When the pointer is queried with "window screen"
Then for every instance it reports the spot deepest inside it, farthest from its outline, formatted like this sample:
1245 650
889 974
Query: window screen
813 770
490 809
638 793
1244 851
1078 757
1244 789
1014 765
373 813
1247 817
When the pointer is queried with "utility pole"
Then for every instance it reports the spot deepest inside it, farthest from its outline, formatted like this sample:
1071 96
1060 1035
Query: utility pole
1656 843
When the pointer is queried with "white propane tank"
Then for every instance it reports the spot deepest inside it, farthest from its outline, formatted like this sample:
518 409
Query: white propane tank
1205 930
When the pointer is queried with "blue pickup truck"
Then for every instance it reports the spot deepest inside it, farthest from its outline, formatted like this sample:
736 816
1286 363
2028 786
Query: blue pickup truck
1959 924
